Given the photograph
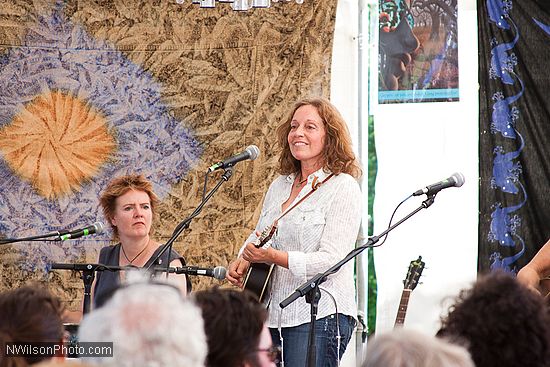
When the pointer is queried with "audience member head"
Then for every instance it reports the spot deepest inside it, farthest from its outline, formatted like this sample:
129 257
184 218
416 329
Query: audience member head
501 322
29 314
120 186
234 322
149 323
409 348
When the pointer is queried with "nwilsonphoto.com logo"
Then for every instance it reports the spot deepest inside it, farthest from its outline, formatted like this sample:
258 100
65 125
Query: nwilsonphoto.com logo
45 349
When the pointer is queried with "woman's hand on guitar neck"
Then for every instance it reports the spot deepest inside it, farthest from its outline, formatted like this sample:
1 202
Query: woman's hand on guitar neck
253 254
265 255
236 272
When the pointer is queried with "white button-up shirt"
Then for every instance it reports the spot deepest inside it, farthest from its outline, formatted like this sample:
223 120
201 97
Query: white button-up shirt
317 234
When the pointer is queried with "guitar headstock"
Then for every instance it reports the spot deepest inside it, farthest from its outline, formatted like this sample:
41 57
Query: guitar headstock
413 274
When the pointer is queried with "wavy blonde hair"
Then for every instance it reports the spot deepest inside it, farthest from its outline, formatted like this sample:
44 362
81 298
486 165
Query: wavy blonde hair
338 156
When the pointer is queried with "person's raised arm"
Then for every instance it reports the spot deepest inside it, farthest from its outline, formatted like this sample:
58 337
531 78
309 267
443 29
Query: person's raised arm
537 269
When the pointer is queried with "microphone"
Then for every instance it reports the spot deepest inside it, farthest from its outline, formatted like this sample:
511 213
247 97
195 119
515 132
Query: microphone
218 272
456 180
251 152
97 227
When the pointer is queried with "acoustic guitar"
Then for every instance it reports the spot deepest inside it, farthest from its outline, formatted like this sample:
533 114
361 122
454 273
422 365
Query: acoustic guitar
411 281
259 274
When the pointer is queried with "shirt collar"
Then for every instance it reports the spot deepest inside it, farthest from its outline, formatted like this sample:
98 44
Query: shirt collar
320 173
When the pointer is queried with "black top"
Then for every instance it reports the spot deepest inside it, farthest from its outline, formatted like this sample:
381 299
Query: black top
108 281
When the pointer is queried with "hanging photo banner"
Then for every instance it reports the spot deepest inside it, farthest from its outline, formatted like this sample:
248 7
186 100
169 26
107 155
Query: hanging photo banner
418 51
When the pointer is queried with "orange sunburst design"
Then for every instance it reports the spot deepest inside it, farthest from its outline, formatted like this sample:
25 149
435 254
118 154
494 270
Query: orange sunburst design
56 142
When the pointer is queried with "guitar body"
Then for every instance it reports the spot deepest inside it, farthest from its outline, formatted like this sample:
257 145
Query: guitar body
258 276
257 280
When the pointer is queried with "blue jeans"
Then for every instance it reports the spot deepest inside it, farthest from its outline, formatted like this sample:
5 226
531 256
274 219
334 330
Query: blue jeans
296 339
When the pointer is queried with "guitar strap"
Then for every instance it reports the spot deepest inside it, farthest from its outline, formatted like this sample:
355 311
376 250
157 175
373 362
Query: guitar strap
260 286
314 186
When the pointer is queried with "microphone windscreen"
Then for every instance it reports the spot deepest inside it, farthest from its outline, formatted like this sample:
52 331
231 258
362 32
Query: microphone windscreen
219 272
253 151
459 179
98 227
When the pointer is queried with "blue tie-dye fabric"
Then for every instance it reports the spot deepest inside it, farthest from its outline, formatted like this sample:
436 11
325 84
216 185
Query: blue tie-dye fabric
60 55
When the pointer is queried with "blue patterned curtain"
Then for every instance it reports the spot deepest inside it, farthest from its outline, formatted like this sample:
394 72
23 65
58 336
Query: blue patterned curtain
514 125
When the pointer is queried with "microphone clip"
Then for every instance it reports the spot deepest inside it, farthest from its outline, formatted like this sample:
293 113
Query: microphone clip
429 200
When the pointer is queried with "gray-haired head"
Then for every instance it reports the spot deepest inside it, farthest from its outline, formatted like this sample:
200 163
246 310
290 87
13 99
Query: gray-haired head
150 324
410 348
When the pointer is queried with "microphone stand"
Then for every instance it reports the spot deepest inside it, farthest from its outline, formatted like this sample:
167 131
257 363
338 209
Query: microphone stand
88 270
5 241
88 275
228 172
310 289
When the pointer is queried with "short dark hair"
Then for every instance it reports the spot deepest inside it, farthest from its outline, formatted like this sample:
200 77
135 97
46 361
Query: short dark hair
501 322
30 314
233 323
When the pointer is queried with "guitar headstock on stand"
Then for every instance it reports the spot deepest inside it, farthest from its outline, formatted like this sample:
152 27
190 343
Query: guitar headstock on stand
411 281
413 274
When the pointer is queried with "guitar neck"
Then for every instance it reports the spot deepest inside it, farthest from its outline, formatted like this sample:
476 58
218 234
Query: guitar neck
402 311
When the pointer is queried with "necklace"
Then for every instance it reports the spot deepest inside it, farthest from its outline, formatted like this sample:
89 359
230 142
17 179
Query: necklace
135 257
299 182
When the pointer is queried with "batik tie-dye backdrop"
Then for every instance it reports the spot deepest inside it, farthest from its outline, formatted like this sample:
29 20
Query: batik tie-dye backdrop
89 91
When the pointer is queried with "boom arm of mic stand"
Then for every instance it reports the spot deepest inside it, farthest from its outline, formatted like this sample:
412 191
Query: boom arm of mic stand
310 289
318 279
5 241
187 221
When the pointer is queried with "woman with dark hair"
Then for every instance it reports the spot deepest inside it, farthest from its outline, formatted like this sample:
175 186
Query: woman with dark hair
30 314
238 336
129 204
316 157
501 323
